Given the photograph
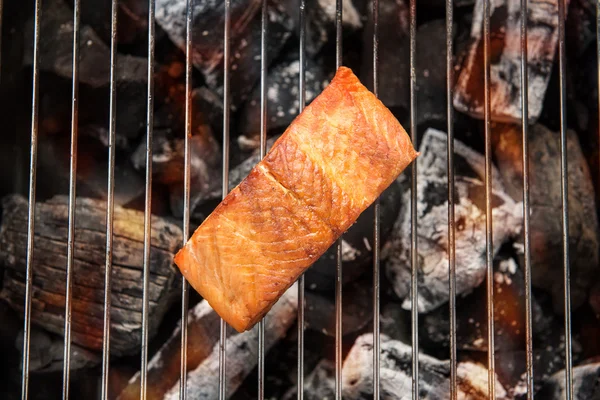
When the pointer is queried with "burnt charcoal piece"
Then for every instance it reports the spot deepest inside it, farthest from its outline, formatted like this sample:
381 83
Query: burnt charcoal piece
505 55
47 352
92 169
163 368
471 319
49 264
56 50
546 204
585 384
211 106
396 375
320 20
393 53
318 385
580 26
207 39
282 96
432 218
357 309
595 298
242 351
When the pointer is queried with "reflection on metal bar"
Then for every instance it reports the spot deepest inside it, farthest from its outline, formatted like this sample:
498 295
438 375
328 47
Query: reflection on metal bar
489 254
31 208
186 195
338 265
376 223
451 221
72 200
263 151
148 197
301 103
414 289
225 182
526 207
565 199
110 203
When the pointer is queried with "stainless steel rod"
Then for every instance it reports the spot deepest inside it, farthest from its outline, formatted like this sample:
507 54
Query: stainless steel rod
110 202
225 183
339 261
451 205
186 195
31 208
301 103
489 252
414 259
526 205
263 151
376 226
148 197
72 200
564 175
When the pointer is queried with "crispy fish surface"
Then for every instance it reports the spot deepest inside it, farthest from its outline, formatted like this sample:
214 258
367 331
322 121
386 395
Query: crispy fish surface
332 162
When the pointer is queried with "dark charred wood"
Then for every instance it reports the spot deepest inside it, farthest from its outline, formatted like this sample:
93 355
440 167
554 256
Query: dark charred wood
282 96
49 265
208 39
320 21
357 309
92 169
585 384
471 319
396 375
595 298
580 26
545 194
505 60
319 384
432 212
56 50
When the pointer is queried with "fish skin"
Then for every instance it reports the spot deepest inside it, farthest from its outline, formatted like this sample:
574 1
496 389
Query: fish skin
331 164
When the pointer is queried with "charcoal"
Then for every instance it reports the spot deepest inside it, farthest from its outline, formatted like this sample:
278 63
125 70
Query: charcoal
580 26
318 385
471 319
505 52
92 169
546 205
163 370
320 20
208 35
242 352
211 106
282 95
432 217
585 384
47 353
595 298
357 309
56 50
393 53
395 321
49 264
396 375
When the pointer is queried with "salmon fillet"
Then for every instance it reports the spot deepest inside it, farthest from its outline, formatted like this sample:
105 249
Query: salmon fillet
332 162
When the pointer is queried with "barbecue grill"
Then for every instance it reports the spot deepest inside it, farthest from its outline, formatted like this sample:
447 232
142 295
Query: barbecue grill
184 388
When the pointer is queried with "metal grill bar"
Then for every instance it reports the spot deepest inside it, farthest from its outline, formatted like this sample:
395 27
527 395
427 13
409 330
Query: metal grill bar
338 266
186 194
451 220
110 203
72 200
489 253
148 196
263 152
225 183
301 103
376 226
31 207
562 63
526 206
414 286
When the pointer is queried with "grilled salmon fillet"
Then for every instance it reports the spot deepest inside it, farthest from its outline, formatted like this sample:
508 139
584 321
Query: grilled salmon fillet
332 162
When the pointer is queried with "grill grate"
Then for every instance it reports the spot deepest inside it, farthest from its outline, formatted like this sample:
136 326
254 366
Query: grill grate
225 183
